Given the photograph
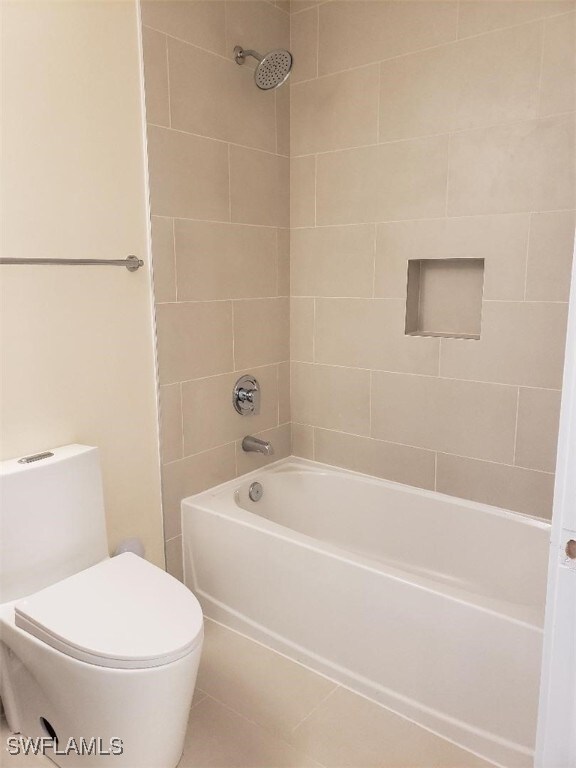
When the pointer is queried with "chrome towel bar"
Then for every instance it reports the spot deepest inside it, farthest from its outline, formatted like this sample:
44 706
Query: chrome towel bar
132 263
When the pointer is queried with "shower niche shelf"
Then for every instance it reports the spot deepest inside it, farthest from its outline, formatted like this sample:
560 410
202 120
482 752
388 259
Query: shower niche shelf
444 298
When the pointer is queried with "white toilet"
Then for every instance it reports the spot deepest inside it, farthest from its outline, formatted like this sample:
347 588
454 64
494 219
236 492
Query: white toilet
91 647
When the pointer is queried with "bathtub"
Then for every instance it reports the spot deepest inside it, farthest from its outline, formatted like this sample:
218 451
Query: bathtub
430 605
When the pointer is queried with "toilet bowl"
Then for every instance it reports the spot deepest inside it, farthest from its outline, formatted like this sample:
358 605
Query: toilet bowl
100 657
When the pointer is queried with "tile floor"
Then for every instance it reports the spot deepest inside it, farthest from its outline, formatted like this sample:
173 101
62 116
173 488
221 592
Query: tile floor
254 708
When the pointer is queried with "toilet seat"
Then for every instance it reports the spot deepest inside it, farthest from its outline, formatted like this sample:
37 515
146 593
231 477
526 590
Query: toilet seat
123 613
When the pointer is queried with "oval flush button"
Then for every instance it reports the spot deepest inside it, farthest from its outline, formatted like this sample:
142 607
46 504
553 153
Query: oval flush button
571 549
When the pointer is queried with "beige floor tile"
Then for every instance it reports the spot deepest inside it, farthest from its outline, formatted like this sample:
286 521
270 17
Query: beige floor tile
348 731
219 738
264 686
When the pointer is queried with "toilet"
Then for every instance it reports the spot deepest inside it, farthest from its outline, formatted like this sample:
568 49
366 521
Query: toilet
98 653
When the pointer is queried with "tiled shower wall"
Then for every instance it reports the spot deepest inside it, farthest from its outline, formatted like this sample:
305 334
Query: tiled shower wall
413 130
432 130
219 187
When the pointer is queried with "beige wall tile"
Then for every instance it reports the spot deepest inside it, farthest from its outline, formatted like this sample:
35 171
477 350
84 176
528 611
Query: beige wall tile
302 441
284 392
283 253
349 730
335 112
333 261
399 463
303 191
174 564
201 23
537 431
281 443
209 418
347 186
334 398
369 333
520 343
558 88
259 187
550 256
465 418
357 32
170 423
209 93
452 87
194 339
177 161
516 167
302 330
520 490
412 179
163 259
282 96
225 261
261 331
477 16
304 45
500 240
256 24
192 475
155 77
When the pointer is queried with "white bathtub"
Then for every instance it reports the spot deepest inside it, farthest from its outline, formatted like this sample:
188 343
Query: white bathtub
431 605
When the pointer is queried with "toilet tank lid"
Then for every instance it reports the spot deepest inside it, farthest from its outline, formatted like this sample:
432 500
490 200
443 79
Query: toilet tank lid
123 612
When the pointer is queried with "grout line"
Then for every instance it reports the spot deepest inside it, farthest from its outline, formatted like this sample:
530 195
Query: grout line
182 452
527 255
352 298
168 81
217 140
317 41
427 375
316 707
229 184
541 71
516 427
454 41
424 136
174 259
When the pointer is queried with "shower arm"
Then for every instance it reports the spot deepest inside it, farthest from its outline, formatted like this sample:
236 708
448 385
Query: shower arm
240 54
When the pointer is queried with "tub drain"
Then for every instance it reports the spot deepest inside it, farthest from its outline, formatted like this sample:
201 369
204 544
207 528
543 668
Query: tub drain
256 491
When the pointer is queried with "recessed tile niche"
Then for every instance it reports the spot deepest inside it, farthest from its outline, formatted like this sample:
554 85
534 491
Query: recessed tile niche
444 297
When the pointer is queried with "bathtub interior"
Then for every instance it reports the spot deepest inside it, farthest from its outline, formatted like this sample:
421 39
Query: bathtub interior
492 557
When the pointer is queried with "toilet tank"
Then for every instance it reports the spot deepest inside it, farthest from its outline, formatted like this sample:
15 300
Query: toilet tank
52 521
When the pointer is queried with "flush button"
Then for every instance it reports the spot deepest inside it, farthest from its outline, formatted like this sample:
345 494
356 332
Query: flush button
571 549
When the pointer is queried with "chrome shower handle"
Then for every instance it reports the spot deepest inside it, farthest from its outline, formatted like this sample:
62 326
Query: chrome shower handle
246 396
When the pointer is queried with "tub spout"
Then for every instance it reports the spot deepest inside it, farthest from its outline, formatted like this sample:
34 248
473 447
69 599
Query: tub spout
254 444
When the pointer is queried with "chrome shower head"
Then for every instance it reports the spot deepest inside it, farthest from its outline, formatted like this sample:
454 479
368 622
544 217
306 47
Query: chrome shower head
273 68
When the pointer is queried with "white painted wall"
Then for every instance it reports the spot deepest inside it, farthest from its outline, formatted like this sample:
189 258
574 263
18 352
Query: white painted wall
77 353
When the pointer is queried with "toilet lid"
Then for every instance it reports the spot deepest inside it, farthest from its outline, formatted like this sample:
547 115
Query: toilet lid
123 612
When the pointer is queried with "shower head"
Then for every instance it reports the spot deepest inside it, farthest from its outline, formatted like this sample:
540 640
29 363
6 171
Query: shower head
273 68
